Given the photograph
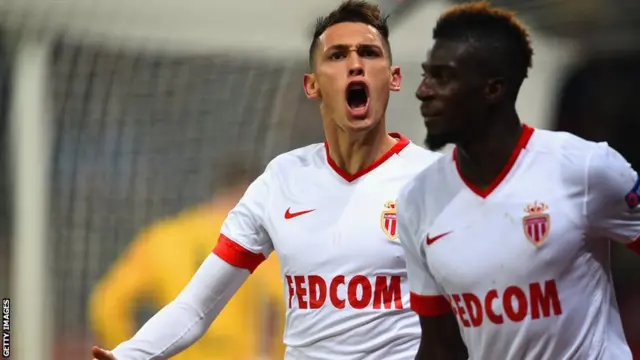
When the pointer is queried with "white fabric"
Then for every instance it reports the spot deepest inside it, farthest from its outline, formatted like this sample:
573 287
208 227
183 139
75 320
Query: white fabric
345 278
186 319
548 295
610 178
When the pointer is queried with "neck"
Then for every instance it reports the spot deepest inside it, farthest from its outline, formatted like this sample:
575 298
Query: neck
354 151
485 154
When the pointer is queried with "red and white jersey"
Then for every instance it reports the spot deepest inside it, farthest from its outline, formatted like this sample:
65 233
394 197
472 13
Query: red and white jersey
335 235
524 264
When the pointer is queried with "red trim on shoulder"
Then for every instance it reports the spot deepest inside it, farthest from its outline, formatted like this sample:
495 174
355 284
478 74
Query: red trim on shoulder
429 305
527 131
635 245
395 149
236 255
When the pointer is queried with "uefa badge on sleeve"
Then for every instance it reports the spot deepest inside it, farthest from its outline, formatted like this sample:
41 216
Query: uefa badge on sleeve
537 223
389 222
633 197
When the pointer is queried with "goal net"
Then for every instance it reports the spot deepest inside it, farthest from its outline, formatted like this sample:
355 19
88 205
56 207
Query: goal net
139 135
143 136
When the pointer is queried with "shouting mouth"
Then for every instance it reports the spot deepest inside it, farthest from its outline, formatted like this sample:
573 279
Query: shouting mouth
358 99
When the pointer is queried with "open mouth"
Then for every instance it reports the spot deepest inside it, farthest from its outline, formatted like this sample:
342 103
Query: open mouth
357 96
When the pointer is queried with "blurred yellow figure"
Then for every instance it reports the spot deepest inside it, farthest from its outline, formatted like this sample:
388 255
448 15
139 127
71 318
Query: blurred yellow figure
159 264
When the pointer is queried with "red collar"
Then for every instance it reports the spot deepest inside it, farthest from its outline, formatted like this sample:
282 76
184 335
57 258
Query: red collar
395 149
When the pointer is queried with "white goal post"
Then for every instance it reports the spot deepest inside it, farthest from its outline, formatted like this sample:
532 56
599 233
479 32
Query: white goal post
30 150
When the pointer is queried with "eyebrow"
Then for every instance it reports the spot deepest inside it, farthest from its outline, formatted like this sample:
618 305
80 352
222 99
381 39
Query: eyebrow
426 66
343 47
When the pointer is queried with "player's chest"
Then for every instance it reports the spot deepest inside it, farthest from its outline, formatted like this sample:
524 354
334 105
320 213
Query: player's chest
323 226
513 238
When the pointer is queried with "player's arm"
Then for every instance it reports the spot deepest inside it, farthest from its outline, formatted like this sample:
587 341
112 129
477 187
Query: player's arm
112 305
243 245
183 321
612 194
441 338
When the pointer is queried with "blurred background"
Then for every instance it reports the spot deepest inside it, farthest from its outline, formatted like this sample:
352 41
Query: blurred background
128 128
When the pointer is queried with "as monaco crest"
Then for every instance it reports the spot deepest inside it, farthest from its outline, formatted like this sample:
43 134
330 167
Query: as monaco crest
388 221
537 224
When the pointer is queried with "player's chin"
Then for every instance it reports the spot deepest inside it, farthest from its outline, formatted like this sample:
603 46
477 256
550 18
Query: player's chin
359 124
437 140
438 125
360 120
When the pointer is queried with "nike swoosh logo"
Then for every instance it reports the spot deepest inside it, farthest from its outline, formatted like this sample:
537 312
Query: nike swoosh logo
431 240
290 215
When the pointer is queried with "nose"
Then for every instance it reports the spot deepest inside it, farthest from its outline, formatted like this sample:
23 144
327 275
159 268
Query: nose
424 91
355 66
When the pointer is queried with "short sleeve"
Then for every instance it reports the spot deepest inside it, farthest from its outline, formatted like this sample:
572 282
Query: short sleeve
244 242
612 197
426 296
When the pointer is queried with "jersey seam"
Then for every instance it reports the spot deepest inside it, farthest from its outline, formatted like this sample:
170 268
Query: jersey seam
264 218
585 212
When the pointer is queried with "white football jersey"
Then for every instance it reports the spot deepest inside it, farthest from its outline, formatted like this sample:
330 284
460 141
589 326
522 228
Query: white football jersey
343 269
524 264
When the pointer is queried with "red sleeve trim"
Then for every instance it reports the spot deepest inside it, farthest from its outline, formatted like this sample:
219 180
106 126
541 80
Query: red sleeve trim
635 245
429 305
236 255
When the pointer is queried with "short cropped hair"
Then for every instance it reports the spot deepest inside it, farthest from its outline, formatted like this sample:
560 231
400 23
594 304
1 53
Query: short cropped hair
497 31
351 11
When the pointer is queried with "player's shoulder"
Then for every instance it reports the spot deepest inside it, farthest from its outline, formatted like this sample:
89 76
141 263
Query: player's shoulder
417 154
427 179
294 160
563 146
576 157
411 159
439 163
